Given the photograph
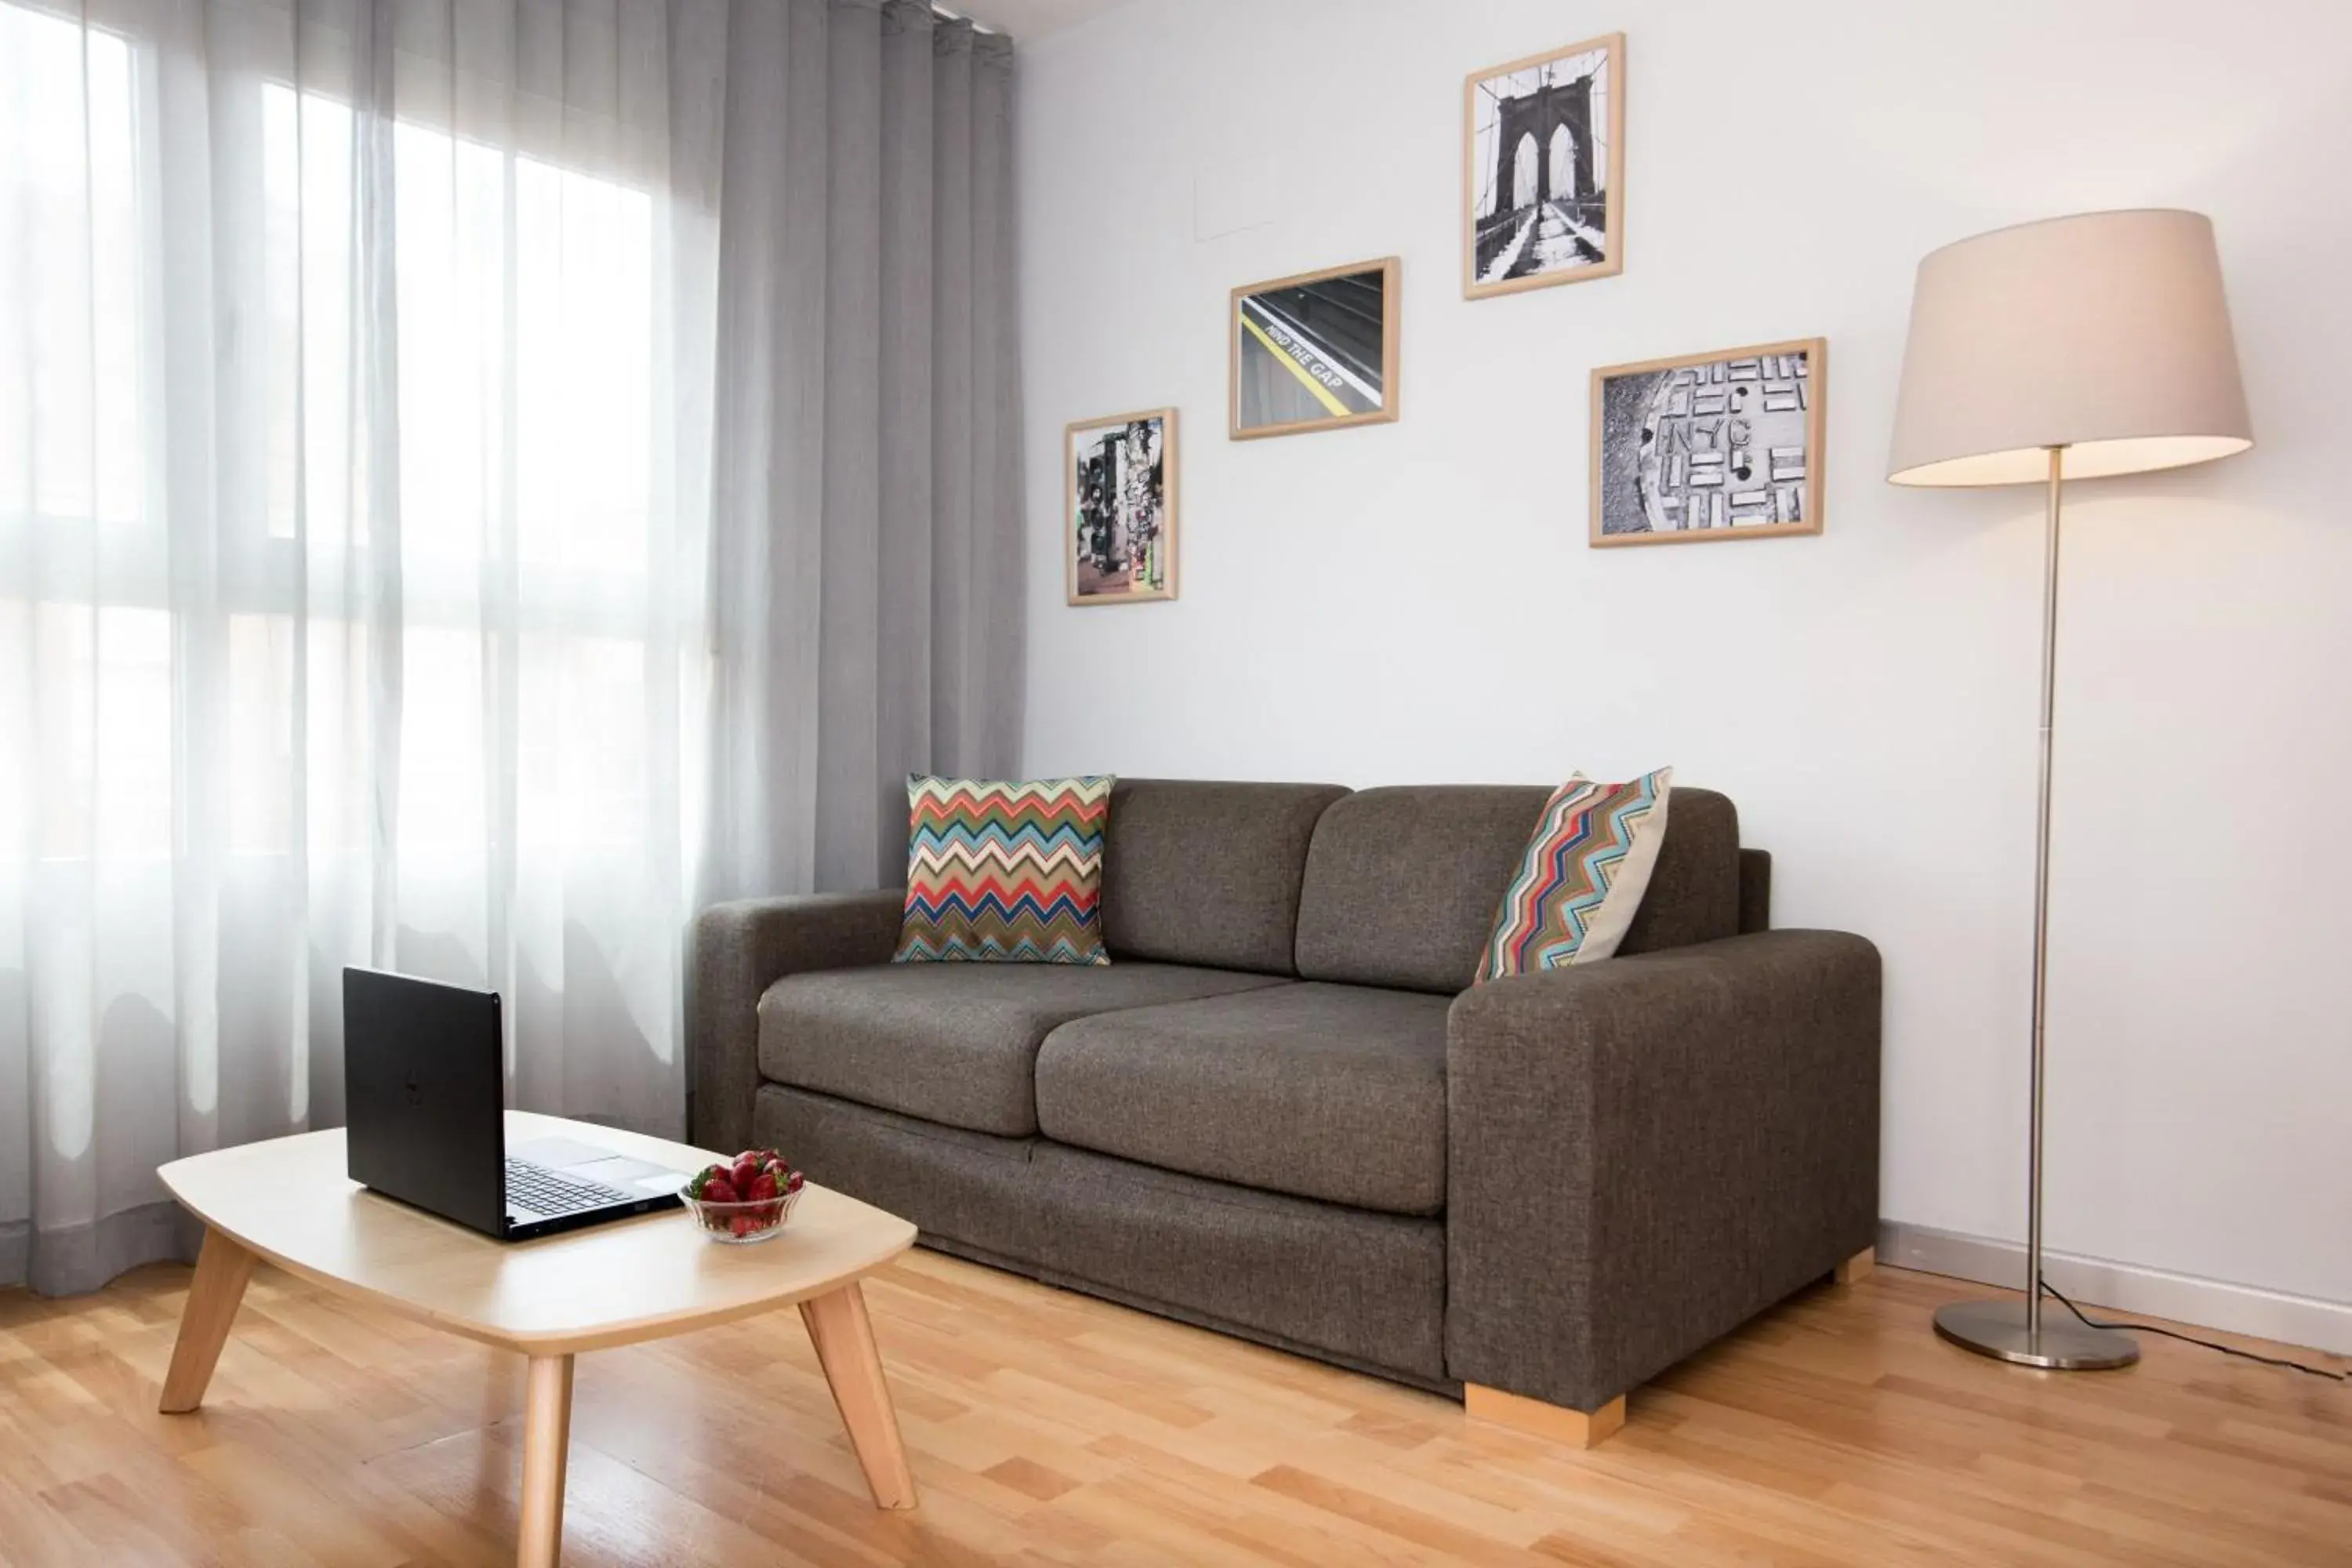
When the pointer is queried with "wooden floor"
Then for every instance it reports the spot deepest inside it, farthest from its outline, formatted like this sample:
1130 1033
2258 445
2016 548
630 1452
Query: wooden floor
1047 1427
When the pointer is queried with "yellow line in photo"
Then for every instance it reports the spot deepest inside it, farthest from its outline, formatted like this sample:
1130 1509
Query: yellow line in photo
1282 357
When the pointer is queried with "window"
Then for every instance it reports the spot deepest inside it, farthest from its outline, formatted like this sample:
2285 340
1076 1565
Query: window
69 306
187 442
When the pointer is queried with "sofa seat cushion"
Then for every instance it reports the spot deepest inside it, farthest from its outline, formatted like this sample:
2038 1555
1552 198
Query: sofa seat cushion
1335 1092
953 1043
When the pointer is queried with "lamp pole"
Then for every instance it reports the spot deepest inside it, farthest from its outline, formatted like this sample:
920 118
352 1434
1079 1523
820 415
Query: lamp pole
2002 1329
2051 522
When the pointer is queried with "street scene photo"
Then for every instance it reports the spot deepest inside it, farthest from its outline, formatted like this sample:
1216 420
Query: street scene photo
1122 536
1709 447
1541 170
1313 351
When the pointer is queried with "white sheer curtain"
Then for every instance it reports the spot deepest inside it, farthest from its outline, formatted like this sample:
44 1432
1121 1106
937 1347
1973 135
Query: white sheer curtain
355 367
477 477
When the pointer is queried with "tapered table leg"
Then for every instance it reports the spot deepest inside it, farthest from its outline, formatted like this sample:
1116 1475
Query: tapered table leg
222 1269
838 1326
546 1443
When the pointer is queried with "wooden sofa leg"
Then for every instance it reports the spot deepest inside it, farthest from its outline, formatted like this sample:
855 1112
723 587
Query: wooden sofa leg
1578 1428
1856 1267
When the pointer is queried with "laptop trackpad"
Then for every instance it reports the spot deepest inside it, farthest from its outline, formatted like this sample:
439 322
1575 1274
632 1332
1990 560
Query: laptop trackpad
587 1163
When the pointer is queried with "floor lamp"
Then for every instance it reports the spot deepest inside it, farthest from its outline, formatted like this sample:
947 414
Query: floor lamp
2075 348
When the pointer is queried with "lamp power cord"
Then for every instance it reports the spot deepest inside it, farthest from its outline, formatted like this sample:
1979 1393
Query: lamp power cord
2090 1322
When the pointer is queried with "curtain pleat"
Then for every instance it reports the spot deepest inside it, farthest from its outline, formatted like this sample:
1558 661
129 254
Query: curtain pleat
848 753
954 508
479 480
907 299
989 723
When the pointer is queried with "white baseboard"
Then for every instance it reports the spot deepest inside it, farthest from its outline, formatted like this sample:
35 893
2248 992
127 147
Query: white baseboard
2124 1287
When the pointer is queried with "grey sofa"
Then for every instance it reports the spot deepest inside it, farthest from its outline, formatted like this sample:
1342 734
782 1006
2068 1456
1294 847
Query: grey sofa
1282 1112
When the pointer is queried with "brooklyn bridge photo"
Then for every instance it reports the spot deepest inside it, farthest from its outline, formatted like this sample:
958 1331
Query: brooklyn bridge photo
1544 165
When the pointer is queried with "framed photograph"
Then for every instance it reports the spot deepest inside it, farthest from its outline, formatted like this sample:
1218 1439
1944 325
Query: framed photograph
1543 188
1118 475
1713 446
1317 351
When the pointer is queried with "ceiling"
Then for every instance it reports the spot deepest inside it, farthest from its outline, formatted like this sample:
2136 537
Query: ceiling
1028 20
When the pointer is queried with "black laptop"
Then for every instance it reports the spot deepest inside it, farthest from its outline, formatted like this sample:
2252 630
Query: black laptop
425 1094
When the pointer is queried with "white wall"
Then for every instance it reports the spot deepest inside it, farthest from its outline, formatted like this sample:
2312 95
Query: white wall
1416 601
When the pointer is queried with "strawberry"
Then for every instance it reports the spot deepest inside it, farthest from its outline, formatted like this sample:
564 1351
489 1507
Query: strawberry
763 1187
719 1190
747 1167
745 1224
794 1184
703 1178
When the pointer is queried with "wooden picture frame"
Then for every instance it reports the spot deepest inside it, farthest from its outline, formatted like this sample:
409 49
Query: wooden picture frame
1106 529
1278 363
1552 111
1738 445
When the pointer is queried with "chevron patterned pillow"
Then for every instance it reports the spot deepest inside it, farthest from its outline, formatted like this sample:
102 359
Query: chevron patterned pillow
1009 873
1581 880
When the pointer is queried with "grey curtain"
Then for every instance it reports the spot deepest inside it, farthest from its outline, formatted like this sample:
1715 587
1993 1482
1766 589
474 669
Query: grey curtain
866 570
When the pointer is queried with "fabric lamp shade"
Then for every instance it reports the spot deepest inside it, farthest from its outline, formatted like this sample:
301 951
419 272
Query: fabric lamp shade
2106 333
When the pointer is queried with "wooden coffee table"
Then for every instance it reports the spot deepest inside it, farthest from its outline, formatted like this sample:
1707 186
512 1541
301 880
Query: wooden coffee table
288 1201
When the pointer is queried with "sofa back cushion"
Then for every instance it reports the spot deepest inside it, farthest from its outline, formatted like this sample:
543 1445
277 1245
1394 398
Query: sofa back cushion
1402 883
1196 871
1695 888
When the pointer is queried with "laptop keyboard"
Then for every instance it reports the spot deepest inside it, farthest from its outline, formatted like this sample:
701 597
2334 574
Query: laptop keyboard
541 1191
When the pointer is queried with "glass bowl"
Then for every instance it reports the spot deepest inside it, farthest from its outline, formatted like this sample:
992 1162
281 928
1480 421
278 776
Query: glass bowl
740 1225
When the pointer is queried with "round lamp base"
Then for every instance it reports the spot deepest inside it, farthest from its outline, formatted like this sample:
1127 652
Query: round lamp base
1997 1328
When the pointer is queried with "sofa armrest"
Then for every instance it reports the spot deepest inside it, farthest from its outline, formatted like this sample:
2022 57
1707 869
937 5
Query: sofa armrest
739 949
1643 1152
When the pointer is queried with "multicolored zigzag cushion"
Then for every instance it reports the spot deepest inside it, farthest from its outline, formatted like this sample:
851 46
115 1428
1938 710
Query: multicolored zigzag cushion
1007 873
1581 880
